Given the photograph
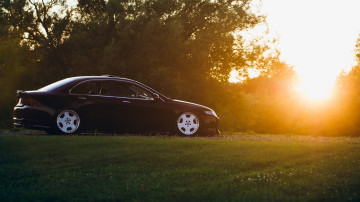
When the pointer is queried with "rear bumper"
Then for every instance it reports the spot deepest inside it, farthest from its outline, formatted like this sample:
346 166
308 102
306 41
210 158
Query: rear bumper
28 117
26 123
19 123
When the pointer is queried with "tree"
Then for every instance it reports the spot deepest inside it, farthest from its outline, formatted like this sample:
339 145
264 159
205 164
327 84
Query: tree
184 48
182 42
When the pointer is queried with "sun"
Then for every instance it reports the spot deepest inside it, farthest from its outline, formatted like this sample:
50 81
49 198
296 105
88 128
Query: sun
315 88
317 38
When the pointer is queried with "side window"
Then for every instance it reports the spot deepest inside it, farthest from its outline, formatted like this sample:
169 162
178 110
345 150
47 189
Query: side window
130 90
87 88
142 93
123 90
92 88
104 88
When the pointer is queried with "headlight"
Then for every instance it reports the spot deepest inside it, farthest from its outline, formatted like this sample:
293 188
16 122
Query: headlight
210 112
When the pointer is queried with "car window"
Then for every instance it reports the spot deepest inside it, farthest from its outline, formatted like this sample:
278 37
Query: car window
130 90
56 85
104 88
123 90
92 88
141 93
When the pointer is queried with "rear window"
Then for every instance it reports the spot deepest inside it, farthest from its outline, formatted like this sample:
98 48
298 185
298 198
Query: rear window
56 85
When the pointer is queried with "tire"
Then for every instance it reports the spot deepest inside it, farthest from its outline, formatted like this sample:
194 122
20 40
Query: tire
67 122
187 124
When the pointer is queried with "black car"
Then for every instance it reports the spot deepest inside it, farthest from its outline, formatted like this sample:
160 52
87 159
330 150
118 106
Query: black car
109 103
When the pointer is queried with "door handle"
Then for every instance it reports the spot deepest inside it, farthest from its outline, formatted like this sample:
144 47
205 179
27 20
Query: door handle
82 98
126 101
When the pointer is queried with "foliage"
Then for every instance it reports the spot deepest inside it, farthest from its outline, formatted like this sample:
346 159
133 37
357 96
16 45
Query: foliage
346 109
186 49
183 48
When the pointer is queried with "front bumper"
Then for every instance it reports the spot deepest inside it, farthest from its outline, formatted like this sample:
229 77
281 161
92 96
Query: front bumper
211 124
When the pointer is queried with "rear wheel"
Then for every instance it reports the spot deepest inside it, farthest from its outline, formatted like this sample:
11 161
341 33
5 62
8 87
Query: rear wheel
68 121
188 124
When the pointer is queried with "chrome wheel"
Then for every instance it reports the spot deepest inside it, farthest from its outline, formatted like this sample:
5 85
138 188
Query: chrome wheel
188 123
68 121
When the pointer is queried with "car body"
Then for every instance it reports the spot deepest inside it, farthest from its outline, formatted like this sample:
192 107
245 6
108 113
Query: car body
109 103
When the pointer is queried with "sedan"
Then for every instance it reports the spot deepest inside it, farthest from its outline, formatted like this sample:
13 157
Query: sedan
108 103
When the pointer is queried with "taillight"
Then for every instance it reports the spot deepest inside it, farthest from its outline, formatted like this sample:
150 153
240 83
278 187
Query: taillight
27 101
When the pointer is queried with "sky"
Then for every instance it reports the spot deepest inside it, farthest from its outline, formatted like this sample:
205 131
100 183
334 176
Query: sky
317 37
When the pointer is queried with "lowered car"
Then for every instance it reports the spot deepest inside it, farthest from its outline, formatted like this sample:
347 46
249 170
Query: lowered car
109 103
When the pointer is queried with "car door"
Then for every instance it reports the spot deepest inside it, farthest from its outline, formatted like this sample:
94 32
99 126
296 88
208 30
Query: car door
95 104
138 109
124 110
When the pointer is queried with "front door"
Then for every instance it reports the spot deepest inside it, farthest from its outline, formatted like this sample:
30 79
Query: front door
137 109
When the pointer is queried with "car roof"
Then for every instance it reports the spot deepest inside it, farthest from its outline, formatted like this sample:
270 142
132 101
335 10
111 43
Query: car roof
107 77
70 81
97 77
67 83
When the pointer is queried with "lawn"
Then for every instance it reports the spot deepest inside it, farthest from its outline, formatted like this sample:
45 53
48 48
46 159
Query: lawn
235 167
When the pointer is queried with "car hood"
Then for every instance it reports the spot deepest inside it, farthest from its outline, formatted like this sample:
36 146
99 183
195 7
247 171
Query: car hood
189 104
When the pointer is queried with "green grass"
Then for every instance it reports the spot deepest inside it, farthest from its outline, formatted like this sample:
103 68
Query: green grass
234 168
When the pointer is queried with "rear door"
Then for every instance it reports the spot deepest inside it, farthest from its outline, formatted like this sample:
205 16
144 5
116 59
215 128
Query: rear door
95 104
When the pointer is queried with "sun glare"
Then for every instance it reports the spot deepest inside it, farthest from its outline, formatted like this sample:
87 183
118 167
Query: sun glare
315 90
317 38
316 81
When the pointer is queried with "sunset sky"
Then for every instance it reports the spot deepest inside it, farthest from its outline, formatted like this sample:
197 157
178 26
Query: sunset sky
317 37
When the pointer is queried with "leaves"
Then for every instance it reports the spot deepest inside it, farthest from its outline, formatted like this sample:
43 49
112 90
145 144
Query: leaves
183 48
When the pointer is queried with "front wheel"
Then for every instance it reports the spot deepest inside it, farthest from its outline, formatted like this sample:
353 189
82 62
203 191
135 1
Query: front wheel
188 123
68 121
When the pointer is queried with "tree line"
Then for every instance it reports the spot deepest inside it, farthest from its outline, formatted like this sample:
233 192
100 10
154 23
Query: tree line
185 49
